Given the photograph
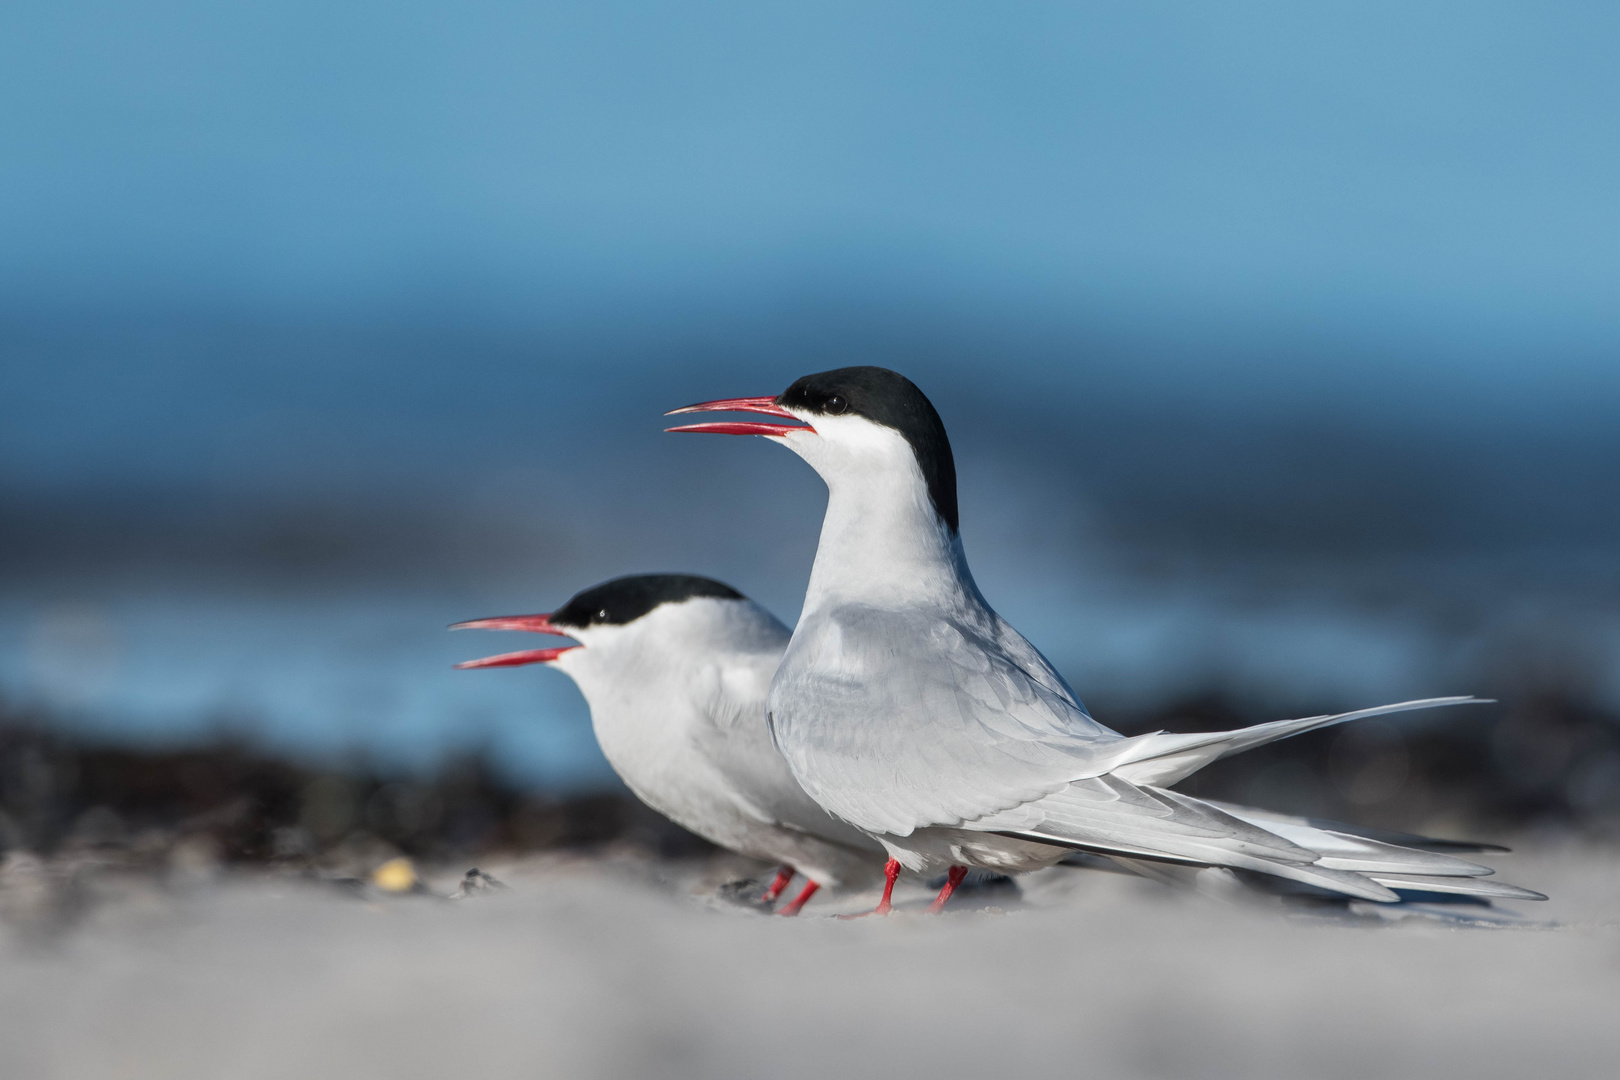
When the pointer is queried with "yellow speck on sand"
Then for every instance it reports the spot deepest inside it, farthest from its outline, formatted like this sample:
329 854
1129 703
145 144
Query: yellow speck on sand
395 875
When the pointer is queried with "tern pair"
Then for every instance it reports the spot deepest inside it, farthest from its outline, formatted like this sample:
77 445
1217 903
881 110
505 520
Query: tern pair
902 719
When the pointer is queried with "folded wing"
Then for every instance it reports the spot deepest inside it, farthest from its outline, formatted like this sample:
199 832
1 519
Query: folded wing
1109 815
896 720
1163 758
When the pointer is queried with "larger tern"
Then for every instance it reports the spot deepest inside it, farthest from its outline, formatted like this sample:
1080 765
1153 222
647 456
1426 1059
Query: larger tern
675 668
907 707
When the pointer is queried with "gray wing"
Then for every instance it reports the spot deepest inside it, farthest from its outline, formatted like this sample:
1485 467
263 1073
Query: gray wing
1272 819
897 720
738 741
1108 815
1163 757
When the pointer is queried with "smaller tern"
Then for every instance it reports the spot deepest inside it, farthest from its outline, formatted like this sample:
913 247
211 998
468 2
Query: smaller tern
907 707
675 668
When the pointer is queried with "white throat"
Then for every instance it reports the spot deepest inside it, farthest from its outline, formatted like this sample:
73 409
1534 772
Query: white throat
882 541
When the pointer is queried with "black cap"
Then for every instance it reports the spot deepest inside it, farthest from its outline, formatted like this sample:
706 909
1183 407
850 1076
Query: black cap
888 398
626 599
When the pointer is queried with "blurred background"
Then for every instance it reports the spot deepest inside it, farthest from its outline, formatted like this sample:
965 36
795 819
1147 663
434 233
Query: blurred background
1278 348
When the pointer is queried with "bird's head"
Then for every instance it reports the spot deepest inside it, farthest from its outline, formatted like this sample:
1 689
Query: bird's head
853 425
634 625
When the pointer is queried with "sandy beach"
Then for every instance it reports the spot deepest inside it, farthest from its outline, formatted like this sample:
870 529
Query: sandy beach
630 967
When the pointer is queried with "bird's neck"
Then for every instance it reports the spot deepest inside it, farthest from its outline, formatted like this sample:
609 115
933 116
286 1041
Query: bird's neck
883 543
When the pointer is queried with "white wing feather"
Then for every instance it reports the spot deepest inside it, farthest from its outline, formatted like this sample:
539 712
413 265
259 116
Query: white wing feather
1163 758
897 720
758 781
1111 816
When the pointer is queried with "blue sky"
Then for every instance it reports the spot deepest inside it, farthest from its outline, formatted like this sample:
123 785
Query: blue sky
295 217
1445 165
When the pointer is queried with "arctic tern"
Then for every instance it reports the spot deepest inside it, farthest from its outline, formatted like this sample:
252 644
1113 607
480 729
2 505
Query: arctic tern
675 668
907 707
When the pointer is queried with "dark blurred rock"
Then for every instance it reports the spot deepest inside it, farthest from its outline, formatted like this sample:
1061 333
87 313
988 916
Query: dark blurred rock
477 883
74 811
185 812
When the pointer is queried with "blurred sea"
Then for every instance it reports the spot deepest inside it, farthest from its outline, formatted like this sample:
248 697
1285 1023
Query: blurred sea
1290 543
367 676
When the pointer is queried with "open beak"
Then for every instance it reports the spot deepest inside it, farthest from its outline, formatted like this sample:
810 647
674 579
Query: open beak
534 624
764 405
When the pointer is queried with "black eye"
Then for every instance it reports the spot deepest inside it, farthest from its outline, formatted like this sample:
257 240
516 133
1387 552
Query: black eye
602 614
836 405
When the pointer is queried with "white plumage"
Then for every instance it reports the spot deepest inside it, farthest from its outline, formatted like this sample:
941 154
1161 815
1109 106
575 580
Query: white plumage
677 699
906 706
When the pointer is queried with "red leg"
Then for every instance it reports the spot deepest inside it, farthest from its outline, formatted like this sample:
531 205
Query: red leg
793 907
891 872
953 878
783 877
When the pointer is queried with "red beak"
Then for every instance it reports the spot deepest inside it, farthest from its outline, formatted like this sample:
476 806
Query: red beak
517 659
535 624
765 405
